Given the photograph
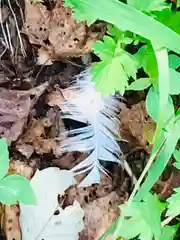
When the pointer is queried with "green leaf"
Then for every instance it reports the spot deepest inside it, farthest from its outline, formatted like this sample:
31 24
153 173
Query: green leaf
4 158
147 59
15 188
112 73
174 203
140 84
118 35
174 87
152 105
144 222
126 17
168 232
148 5
178 3
172 136
169 18
176 155
174 61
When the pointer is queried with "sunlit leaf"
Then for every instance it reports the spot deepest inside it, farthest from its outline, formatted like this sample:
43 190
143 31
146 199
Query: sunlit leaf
15 188
4 158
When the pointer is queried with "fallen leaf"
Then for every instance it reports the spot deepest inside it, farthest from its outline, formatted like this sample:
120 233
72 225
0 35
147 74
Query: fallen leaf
44 58
4 12
55 98
47 220
21 168
99 215
25 149
10 223
10 220
58 32
14 109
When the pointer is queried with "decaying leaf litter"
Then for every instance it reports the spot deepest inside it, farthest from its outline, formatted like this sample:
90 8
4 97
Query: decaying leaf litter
40 55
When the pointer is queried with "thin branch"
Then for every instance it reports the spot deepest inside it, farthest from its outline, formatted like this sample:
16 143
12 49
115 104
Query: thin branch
17 28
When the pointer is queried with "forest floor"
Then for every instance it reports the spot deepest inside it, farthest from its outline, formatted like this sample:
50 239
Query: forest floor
33 70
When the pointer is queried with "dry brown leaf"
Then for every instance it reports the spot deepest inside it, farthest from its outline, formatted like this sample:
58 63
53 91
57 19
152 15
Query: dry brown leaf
87 195
14 109
10 220
35 139
55 98
25 149
4 12
18 167
44 58
99 215
10 223
58 31
134 123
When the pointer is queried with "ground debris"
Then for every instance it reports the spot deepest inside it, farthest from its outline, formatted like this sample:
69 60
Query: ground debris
14 109
10 217
58 32
99 215
136 126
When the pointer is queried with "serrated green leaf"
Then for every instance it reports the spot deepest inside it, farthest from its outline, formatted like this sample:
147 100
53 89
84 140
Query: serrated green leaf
174 61
176 155
15 188
140 84
152 105
148 5
106 79
174 203
144 222
4 158
125 18
174 84
168 233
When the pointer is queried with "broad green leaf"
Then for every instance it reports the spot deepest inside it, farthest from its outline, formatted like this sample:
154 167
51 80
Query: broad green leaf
178 3
172 136
169 18
148 5
168 232
125 17
174 203
140 84
176 155
106 79
152 105
4 158
144 222
174 84
174 61
147 59
15 188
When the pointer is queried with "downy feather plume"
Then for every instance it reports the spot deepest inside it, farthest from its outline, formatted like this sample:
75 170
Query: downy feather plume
85 104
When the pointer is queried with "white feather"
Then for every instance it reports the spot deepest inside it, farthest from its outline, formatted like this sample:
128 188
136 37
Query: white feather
85 104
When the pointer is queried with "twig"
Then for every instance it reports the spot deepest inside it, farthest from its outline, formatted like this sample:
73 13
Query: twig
17 28
9 39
